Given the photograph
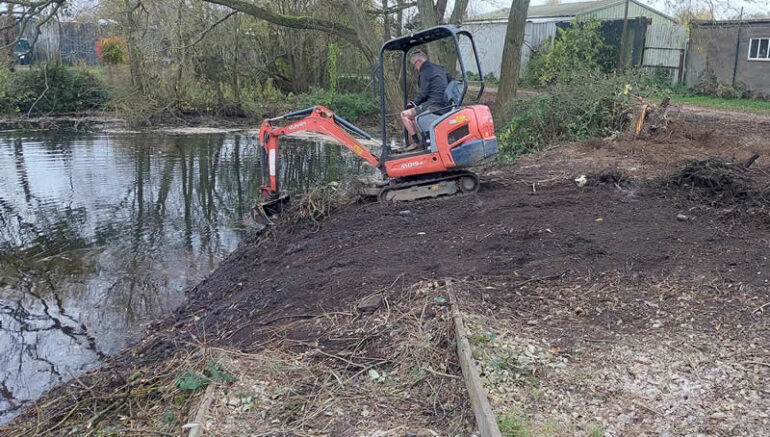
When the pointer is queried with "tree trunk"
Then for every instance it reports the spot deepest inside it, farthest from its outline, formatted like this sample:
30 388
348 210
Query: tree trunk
371 47
450 51
400 18
440 10
180 55
430 18
509 70
132 43
236 49
385 21
9 36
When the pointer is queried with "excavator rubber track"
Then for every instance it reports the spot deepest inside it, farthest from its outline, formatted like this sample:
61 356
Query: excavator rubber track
429 186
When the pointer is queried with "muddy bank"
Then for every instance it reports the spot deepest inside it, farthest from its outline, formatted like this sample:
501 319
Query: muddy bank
88 122
593 274
112 123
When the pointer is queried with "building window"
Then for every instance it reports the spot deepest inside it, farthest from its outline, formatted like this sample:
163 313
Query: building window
759 49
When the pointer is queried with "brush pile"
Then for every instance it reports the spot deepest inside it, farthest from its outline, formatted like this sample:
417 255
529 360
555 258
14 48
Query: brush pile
317 204
715 180
385 366
717 183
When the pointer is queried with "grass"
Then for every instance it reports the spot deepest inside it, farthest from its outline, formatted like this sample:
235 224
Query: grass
513 424
595 430
744 105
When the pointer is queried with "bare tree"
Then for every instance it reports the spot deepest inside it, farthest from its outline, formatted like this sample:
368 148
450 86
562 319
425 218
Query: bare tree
261 10
450 53
687 10
433 14
358 32
21 16
509 71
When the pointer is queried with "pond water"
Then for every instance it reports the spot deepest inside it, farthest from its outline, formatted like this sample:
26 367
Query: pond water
100 234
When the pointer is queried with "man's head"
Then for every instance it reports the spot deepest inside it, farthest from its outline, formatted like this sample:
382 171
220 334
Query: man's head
417 59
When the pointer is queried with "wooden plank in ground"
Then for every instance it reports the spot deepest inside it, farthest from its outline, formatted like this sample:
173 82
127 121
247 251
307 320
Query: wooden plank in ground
196 427
485 418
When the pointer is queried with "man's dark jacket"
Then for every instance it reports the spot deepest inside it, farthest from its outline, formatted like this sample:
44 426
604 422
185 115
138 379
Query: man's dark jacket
433 81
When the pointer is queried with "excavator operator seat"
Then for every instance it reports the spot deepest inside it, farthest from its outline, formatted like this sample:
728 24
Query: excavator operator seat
453 96
425 120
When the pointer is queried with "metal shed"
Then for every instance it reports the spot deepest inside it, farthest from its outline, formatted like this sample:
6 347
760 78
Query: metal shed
542 21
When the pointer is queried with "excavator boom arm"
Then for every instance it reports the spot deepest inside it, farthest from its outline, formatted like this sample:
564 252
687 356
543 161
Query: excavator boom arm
316 119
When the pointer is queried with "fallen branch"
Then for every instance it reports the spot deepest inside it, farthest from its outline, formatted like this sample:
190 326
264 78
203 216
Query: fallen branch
760 308
751 160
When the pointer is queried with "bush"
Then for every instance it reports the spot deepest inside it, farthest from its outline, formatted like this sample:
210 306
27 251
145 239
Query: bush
575 51
351 106
111 50
53 89
354 106
5 79
727 92
709 85
534 67
489 78
601 106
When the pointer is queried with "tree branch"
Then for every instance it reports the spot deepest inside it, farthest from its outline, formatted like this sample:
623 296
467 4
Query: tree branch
392 9
34 9
41 23
296 22
205 32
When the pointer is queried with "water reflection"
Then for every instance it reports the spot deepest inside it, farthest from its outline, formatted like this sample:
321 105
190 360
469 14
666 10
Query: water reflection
101 234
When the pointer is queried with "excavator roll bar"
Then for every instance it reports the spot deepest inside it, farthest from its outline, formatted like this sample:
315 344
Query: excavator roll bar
315 119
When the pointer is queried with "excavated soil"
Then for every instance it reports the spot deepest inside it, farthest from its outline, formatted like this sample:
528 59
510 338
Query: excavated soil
578 268
529 220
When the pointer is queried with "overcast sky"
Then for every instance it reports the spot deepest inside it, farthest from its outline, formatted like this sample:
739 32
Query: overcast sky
725 8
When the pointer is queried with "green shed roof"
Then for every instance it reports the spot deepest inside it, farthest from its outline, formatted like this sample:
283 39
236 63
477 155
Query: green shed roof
559 10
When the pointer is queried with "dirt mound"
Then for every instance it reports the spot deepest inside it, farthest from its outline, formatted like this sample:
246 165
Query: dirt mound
551 256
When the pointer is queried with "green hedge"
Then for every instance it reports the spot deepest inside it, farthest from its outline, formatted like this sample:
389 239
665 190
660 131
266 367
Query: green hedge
351 106
600 106
51 89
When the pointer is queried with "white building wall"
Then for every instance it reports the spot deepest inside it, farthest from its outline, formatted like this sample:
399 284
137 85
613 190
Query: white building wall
490 37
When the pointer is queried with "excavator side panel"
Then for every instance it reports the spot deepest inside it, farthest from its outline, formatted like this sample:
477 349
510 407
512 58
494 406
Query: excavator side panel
462 139
415 165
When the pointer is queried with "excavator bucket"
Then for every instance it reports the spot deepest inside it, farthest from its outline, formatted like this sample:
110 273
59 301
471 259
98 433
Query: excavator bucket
264 213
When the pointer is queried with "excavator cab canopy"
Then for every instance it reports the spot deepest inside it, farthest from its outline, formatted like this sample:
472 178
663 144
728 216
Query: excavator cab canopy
404 44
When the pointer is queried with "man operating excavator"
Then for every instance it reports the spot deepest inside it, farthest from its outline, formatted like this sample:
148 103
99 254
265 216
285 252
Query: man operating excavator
433 82
454 137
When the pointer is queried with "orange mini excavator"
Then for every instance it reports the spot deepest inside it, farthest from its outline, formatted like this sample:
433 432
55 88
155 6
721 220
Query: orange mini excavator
454 137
